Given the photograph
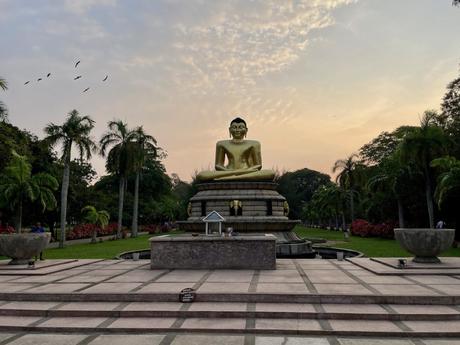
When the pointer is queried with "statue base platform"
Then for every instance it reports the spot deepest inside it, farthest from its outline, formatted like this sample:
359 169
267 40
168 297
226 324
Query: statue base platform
213 252
249 208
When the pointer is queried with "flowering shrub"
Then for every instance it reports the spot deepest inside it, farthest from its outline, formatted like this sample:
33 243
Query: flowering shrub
6 229
363 228
156 228
86 231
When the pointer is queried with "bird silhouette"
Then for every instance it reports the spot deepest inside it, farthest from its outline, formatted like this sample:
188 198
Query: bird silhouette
27 82
39 79
86 89
105 78
77 77
77 63
48 75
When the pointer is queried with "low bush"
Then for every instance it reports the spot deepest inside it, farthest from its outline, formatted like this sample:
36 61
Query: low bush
86 231
363 228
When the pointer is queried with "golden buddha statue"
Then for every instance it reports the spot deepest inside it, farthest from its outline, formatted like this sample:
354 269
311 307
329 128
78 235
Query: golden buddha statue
244 160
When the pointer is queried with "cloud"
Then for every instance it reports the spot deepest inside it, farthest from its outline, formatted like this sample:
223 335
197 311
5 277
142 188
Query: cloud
233 46
82 6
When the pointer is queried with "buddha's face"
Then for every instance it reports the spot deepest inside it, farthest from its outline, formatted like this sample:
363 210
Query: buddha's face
238 130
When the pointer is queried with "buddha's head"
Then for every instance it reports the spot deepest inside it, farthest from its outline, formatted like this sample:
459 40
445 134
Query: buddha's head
238 128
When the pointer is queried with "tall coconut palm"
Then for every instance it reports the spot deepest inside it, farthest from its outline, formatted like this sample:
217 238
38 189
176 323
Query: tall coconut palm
3 110
390 177
120 159
18 184
420 146
348 177
144 148
98 218
74 131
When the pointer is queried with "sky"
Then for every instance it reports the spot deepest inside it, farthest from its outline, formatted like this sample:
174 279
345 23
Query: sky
314 79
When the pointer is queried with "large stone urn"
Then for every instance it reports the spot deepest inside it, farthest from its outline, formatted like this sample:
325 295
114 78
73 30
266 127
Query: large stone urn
425 244
22 248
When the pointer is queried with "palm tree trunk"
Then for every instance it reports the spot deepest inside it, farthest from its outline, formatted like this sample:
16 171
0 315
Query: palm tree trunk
429 197
352 206
400 212
19 226
135 206
336 220
344 222
64 193
121 194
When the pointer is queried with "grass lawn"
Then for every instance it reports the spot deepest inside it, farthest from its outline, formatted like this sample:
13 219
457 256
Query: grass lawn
102 250
372 247
369 246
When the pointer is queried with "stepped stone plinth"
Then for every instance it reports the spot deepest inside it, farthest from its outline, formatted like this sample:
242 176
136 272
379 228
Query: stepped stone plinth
246 206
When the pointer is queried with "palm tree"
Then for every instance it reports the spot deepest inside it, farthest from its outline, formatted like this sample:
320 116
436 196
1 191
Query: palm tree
75 130
449 179
390 176
3 110
98 218
17 185
120 159
144 148
420 146
348 178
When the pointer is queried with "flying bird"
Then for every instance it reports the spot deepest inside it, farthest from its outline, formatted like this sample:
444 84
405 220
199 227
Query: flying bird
27 82
77 63
48 75
77 77
39 79
105 78
86 89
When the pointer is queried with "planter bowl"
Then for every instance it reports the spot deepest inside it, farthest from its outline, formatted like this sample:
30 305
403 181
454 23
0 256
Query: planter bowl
425 244
21 248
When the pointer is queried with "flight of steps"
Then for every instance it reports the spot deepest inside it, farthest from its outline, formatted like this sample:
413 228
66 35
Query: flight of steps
297 314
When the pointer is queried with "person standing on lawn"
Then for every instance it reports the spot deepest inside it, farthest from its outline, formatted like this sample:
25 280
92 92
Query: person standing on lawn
38 229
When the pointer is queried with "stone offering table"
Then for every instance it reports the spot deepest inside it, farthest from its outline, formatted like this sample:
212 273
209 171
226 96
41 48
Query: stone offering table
213 252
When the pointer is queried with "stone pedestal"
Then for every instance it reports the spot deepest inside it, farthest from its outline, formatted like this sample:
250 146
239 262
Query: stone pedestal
213 252
246 207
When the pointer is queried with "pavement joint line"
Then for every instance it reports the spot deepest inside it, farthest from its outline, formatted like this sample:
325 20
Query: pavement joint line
356 279
402 326
58 306
200 282
106 323
150 281
39 321
426 286
88 339
121 306
12 338
254 281
311 288
250 339
417 341
324 323
168 339
333 341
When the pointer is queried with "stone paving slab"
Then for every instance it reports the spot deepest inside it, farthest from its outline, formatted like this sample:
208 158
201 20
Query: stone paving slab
386 266
43 267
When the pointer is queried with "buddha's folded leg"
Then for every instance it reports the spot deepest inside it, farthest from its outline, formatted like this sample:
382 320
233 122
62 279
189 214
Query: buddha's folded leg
260 175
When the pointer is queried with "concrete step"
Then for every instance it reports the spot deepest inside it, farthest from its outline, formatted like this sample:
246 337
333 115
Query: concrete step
100 325
235 297
231 310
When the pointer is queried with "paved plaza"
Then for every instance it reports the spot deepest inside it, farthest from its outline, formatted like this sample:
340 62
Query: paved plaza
304 301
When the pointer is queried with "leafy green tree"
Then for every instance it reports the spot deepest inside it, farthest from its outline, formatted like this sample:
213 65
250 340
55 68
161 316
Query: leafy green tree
18 185
3 110
98 218
298 188
145 147
449 179
74 131
348 178
420 146
121 159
